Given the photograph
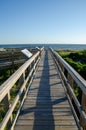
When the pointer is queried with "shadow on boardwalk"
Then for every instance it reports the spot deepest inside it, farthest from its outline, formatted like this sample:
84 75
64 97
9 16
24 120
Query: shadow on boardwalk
44 116
46 106
43 110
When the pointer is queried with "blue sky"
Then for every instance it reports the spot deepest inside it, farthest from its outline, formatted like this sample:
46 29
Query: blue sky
42 21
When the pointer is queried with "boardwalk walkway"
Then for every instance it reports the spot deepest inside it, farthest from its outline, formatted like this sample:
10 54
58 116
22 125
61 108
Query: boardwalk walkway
46 106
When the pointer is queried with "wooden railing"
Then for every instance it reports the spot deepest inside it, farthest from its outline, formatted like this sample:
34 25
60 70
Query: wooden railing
71 79
14 90
8 64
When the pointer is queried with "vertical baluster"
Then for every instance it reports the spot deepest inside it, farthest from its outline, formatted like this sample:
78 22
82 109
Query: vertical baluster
40 53
71 82
33 65
35 60
84 108
6 105
21 81
61 66
62 69
29 72
24 81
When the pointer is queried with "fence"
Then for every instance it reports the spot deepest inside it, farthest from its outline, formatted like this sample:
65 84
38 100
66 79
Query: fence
14 90
71 80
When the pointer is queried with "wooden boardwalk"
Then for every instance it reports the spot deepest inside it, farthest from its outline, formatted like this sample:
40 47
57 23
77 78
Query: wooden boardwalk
46 106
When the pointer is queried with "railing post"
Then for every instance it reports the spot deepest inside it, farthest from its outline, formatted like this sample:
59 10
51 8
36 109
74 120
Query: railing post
84 108
6 106
22 79
74 80
70 81
62 67
29 72
40 53
33 65
23 75
19 80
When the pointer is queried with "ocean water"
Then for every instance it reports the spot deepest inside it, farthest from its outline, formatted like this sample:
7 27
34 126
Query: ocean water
54 46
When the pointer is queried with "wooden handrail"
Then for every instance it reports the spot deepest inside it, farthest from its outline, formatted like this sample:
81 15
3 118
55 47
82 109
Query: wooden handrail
8 85
76 76
68 79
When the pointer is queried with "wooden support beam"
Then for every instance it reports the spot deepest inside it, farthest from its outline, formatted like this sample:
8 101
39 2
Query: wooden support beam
84 108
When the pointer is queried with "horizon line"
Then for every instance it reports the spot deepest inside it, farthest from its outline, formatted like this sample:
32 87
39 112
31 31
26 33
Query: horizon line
41 43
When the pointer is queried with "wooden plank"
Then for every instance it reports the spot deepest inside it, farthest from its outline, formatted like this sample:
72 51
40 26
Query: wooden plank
46 106
45 122
25 127
56 117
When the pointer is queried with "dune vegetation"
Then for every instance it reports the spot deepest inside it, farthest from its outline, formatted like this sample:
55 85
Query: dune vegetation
77 59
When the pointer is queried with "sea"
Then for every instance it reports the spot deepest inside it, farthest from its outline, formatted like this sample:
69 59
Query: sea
54 46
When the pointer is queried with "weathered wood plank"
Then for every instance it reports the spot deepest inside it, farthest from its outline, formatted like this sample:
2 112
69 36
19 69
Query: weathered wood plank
39 127
45 122
56 117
